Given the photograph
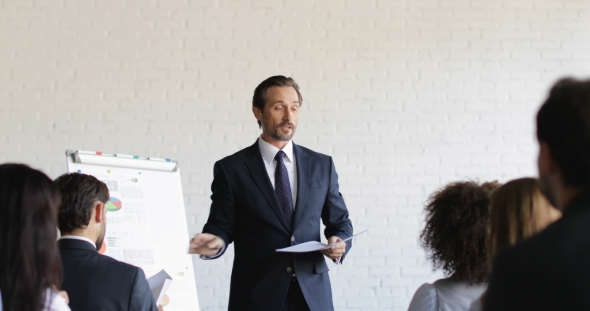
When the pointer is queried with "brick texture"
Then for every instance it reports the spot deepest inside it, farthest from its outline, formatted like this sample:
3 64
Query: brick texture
405 95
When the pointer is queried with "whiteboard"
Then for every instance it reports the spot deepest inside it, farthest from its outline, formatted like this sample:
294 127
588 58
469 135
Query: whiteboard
146 221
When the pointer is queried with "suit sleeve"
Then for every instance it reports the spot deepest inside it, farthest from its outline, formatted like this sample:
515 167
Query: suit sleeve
502 284
141 298
335 213
222 214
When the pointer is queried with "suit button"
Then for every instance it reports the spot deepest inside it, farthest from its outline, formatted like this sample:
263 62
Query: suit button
292 238
289 269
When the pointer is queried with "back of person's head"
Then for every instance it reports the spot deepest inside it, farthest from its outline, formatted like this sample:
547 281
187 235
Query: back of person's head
563 123
456 229
79 193
518 209
29 258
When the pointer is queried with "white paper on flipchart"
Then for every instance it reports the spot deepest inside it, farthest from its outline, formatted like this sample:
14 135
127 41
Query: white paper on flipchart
160 232
159 284
313 246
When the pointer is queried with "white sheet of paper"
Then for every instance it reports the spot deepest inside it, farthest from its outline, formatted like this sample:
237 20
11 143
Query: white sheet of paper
164 290
313 246
159 284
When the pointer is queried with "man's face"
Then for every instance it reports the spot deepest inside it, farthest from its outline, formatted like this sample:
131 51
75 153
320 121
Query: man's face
280 114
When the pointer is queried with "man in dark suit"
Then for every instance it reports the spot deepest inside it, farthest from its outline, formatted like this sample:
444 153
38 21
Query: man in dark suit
272 195
94 282
551 271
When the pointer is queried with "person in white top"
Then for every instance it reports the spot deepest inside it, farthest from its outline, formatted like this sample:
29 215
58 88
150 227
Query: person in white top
30 268
455 238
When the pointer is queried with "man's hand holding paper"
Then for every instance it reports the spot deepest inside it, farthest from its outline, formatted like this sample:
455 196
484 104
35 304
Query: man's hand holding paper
337 251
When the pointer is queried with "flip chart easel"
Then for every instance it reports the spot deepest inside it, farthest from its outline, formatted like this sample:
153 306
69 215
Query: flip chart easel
146 220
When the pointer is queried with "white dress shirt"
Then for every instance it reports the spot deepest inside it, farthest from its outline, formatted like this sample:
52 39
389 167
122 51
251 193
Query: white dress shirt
55 302
269 152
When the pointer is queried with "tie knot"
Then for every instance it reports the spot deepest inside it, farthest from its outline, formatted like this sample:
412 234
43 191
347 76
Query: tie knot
280 155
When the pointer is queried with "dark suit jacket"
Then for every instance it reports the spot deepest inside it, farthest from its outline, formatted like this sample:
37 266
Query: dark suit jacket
95 282
549 271
245 211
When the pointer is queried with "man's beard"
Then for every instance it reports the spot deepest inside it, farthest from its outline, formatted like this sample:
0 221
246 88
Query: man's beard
276 133
100 238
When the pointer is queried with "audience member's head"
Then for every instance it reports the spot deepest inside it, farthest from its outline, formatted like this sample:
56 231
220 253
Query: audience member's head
29 258
83 209
563 131
518 209
456 229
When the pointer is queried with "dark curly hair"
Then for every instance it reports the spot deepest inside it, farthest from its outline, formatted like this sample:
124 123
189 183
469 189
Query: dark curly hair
456 228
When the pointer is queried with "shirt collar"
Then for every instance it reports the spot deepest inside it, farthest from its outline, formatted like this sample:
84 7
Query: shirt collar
77 237
269 151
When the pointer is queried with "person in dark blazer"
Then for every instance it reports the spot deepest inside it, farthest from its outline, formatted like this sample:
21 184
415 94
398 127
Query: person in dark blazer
94 282
551 270
272 195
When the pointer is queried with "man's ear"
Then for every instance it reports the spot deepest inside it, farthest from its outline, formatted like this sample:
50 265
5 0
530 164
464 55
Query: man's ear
99 210
257 113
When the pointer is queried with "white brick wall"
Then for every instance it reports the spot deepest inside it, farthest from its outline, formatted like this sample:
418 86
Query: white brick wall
405 95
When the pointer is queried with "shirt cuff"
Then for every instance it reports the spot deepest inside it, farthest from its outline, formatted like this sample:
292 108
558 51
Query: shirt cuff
215 256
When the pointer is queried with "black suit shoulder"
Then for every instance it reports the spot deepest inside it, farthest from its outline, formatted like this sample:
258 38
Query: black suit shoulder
314 155
89 259
120 266
547 271
98 282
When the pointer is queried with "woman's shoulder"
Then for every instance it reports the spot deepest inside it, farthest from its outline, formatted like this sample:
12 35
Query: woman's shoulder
425 298
55 302
458 295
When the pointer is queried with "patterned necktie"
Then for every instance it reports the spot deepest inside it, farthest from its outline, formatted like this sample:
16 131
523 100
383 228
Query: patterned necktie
283 187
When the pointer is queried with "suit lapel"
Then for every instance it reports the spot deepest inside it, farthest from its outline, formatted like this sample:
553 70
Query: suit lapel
260 176
303 174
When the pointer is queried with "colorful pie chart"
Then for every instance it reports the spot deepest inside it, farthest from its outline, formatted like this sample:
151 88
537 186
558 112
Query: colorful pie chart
164 301
114 205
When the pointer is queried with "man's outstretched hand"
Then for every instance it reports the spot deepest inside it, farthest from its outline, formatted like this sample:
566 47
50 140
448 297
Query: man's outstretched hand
205 244
337 251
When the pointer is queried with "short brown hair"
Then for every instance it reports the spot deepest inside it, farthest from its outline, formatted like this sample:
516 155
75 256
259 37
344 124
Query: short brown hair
518 210
259 98
563 122
79 192
456 229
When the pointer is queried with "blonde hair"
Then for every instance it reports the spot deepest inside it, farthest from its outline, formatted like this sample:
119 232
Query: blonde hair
518 210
